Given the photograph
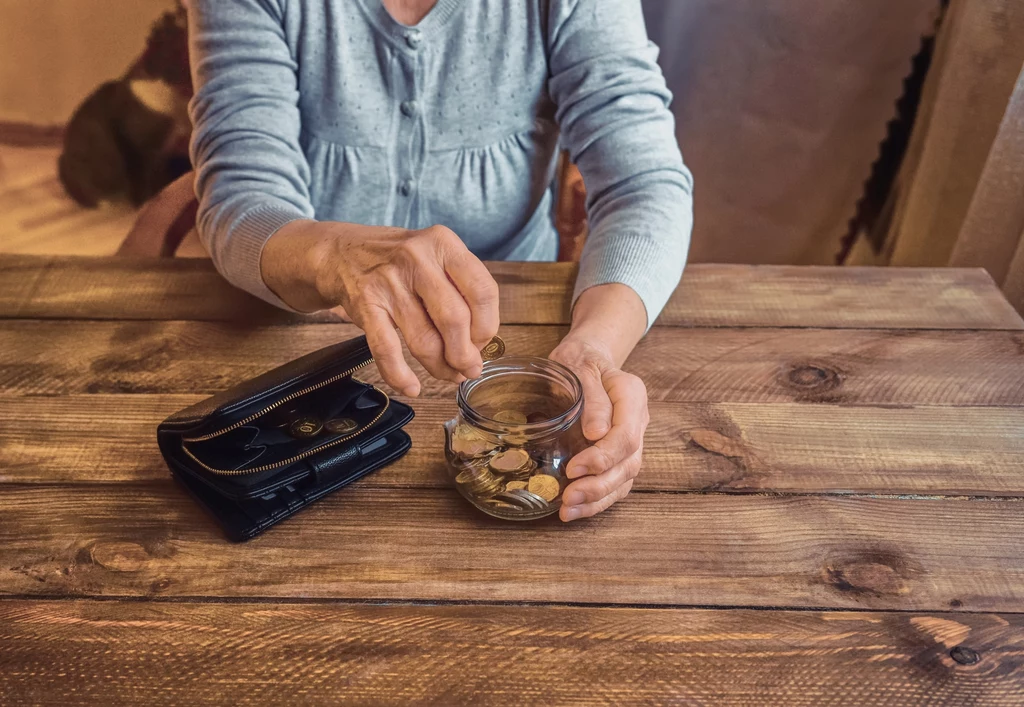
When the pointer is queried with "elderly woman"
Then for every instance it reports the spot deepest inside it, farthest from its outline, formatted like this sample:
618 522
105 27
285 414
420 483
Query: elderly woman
368 154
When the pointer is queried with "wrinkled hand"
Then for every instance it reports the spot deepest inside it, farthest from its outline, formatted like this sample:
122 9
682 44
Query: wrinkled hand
423 283
615 418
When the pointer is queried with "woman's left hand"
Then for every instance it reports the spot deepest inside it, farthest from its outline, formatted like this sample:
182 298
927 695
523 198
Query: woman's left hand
615 418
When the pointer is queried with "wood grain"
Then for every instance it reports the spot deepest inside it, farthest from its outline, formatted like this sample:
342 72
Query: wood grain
537 293
844 366
149 540
729 447
312 653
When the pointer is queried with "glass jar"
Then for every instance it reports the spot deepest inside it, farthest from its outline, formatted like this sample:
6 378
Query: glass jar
518 426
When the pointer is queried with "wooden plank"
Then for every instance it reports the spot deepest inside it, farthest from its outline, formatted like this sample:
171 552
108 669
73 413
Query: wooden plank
313 653
190 288
414 544
537 293
730 447
848 366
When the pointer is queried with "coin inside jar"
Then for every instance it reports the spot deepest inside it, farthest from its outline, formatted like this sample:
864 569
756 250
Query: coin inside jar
305 427
545 486
518 424
510 461
466 442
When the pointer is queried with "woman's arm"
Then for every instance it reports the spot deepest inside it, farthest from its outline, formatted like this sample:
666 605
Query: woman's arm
607 323
613 112
256 219
612 108
251 174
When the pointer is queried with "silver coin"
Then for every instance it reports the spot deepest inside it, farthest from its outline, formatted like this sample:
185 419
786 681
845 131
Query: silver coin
523 499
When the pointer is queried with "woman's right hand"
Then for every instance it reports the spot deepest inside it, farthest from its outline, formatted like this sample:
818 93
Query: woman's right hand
423 283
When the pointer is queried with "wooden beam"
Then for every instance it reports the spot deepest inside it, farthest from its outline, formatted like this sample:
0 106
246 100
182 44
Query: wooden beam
148 540
535 293
844 366
729 447
56 653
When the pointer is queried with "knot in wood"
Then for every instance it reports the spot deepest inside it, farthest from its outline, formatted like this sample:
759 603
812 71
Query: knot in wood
161 585
871 573
964 655
814 377
119 557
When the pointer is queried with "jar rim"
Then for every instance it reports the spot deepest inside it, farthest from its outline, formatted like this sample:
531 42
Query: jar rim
507 365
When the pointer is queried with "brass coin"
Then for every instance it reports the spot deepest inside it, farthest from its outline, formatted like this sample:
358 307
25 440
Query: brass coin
479 482
495 349
341 425
466 477
305 427
524 473
466 442
514 439
513 485
471 447
544 486
509 461
511 417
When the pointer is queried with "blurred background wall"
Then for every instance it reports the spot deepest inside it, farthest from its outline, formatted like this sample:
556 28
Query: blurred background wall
780 107
54 52
784 109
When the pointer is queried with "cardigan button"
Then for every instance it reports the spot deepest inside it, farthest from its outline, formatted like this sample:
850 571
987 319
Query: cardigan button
410 108
406 187
413 39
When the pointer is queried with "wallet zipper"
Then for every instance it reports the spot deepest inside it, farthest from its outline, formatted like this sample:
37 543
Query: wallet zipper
282 401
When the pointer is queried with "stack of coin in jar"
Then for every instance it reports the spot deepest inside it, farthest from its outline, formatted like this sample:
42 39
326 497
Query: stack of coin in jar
501 475
506 471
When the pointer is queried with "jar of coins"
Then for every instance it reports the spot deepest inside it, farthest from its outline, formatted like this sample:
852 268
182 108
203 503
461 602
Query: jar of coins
518 425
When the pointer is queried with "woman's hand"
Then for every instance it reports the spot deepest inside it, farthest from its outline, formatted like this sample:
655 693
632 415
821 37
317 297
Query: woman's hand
424 283
615 418
608 320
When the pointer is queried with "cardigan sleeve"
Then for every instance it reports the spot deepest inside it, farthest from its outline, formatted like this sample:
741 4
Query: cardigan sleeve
251 174
612 108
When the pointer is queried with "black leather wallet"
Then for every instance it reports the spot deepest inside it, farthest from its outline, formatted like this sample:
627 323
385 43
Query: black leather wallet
259 452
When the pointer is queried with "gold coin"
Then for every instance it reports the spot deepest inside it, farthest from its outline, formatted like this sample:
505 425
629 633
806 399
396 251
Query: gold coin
466 432
305 427
544 486
509 461
524 473
515 439
472 447
465 441
495 349
512 417
488 487
341 425
513 485
466 477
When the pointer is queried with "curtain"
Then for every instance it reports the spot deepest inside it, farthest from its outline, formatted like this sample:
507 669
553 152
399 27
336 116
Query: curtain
780 108
959 197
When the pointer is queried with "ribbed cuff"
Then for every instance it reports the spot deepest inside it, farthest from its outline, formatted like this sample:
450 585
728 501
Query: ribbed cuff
637 261
248 238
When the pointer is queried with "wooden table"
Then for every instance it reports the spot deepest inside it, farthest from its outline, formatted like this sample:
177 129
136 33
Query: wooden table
830 511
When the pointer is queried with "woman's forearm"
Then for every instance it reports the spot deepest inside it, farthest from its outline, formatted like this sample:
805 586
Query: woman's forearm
610 317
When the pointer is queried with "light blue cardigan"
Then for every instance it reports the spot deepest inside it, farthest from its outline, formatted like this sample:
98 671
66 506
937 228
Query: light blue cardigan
330 109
